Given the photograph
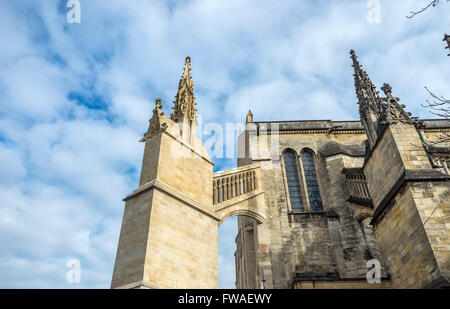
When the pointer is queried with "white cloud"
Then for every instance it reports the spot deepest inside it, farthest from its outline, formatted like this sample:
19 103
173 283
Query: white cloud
64 166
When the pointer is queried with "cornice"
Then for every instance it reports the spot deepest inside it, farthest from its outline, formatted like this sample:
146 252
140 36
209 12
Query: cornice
163 187
318 131
236 170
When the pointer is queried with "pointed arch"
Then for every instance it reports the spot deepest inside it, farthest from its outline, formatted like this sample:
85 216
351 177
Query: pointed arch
312 184
292 179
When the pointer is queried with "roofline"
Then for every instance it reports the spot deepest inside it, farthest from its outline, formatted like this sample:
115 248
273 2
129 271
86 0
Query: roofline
328 120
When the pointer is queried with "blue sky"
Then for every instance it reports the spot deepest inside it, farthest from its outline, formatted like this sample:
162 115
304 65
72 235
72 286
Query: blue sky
76 98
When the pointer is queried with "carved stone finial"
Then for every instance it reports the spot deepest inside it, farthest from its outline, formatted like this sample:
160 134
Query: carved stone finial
156 124
387 89
187 68
184 104
159 105
249 117
393 112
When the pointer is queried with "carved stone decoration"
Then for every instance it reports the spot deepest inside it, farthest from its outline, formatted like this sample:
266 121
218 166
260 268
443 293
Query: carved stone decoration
156 125
419 124
393 112
184 104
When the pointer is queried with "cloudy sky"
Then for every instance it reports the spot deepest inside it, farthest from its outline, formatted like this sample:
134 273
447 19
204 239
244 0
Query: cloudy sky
76 98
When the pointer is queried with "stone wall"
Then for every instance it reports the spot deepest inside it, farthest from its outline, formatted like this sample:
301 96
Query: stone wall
383 168
182 246
185 170
169 230
246 266
132 247
404 244
311 244
331 242
433 204
410 203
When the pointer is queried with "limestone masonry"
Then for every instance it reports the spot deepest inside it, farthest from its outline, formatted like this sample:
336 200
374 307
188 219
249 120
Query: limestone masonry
315 200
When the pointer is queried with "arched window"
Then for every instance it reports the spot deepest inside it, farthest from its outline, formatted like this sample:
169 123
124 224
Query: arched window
312 186
295 194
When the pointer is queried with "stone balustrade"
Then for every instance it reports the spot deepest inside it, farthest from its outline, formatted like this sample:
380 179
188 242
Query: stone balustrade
231 184
357 186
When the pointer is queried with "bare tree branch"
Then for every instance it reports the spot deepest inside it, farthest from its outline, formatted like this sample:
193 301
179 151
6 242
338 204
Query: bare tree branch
432 3
440 107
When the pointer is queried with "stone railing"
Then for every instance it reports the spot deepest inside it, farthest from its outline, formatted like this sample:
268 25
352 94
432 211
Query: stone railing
231 184
357 186
440 157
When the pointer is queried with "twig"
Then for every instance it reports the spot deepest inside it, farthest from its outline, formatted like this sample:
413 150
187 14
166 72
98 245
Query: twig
432 3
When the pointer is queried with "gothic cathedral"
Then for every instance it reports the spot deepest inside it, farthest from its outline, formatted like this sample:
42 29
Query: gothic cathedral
317 201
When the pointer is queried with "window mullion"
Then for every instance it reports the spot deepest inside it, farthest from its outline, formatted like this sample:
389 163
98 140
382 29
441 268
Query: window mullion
303 185
311 183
